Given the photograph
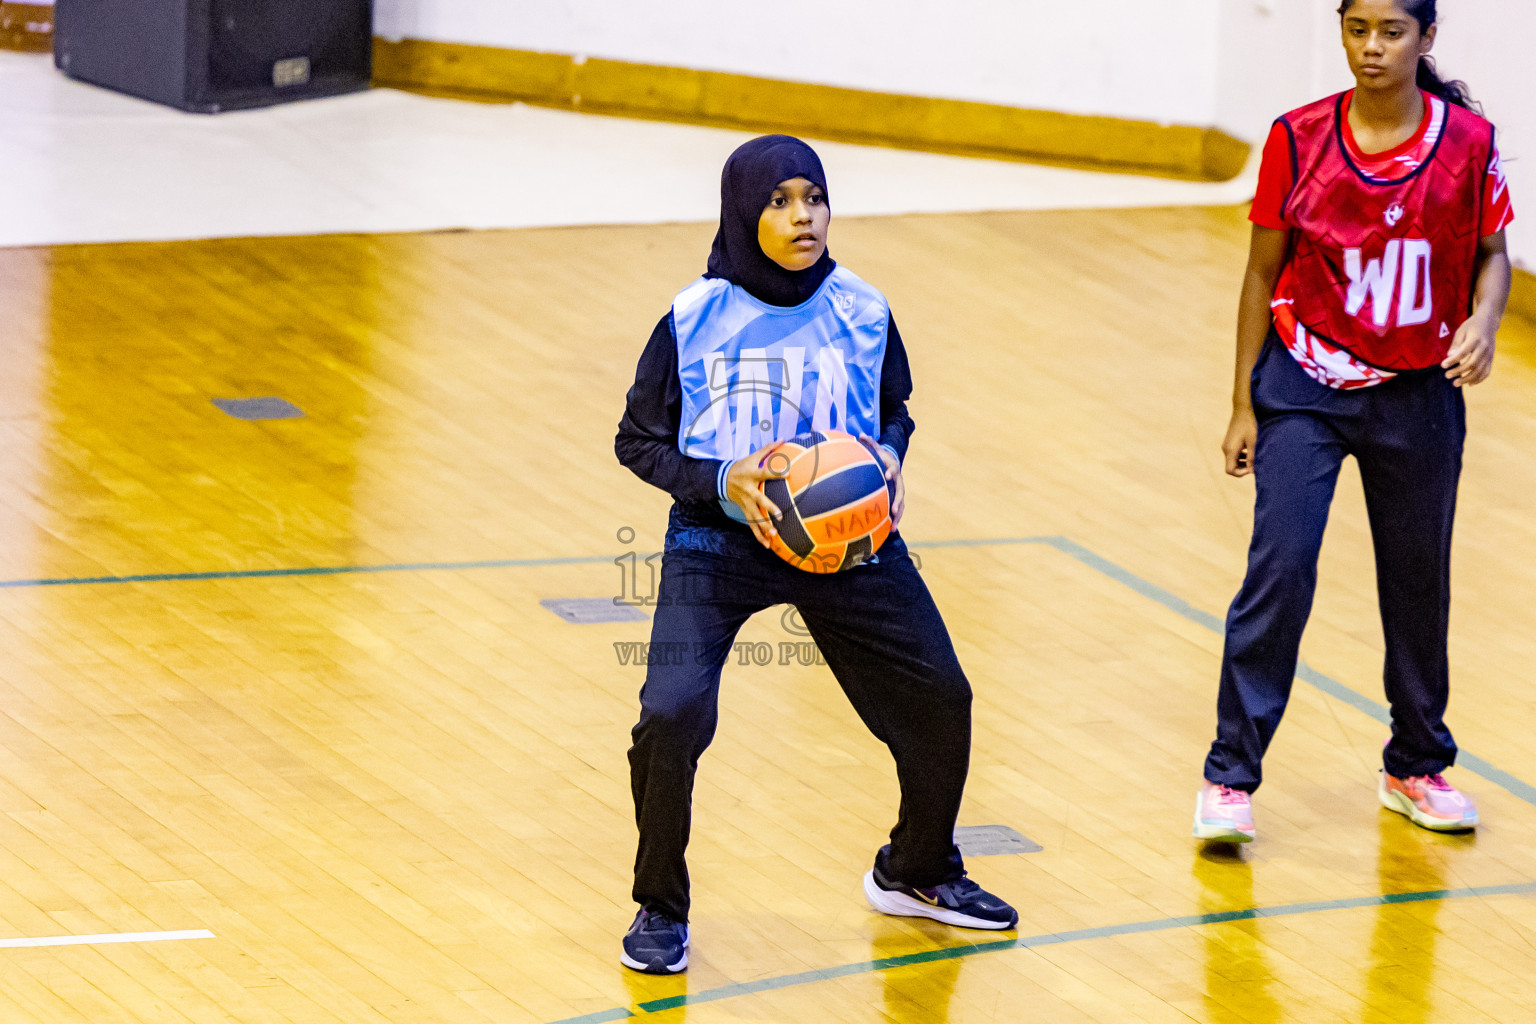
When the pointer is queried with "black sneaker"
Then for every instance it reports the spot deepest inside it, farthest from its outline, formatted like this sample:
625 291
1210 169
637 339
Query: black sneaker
962 902
655 944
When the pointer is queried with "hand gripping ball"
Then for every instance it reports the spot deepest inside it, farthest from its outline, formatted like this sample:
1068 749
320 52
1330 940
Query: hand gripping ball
835 500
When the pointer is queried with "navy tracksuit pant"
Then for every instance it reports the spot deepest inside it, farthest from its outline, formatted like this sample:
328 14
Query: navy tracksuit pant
1407 435
884 640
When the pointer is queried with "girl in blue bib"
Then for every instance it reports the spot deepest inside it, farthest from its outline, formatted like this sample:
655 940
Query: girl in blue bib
775 340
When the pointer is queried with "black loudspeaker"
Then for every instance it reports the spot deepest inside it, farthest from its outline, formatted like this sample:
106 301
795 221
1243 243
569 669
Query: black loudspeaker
212 55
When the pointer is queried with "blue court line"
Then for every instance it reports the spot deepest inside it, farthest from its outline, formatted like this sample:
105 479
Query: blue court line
1306 673
1168 600
1048 939
1099 564
344 570
1524 790
319 570
1066 546
983 542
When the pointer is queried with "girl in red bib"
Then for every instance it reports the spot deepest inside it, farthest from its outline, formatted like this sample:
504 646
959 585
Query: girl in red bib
1376 282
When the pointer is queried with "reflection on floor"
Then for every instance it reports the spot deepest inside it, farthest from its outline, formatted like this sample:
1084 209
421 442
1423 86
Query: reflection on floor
403 797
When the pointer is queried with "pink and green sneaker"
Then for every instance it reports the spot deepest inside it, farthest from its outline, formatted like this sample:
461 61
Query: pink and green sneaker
1223 814
1429 802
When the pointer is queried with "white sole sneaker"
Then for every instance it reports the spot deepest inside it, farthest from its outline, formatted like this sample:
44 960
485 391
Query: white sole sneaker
1399 802
1219 833
899 904
635 965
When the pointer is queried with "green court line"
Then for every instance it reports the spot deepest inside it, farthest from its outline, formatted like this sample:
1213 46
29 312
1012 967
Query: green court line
1162 924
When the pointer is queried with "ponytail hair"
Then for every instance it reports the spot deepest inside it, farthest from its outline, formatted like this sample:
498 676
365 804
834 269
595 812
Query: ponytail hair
1452 91
1424 12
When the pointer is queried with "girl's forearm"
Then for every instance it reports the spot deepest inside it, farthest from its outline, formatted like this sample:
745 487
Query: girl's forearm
1494 278
1253 321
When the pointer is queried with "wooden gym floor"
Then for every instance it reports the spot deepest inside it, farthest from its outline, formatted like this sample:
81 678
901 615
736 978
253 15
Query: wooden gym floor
401 795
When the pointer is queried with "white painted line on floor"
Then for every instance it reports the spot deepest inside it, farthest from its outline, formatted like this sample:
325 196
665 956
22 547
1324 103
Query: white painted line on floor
95 940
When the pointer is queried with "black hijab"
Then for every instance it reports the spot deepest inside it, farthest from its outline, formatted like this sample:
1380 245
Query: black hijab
750 176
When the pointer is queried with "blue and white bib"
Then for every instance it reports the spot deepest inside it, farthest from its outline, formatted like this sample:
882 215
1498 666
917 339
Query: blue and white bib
752 373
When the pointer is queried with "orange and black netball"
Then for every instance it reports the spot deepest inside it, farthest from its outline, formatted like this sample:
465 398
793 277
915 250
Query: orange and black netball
834 499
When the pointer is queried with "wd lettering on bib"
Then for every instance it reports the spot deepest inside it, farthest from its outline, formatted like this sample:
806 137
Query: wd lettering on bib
1375 281
752 373
1381 270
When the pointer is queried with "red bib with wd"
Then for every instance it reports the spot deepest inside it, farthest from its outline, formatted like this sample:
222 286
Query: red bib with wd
1383 269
